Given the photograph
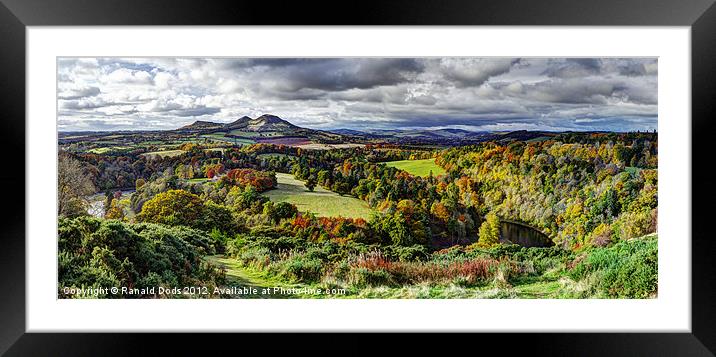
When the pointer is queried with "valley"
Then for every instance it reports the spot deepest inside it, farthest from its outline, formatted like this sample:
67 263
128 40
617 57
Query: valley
430 213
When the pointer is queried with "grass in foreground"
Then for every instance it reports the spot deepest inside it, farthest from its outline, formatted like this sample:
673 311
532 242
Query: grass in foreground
420 168
242 276
627 269
322 202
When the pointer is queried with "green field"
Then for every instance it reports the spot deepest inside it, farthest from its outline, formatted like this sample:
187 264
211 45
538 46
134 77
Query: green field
216 149
100 151
418 167
322 202
165 153
107 150
221 137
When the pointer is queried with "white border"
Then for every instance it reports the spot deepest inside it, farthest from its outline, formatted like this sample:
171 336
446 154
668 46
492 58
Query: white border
669 312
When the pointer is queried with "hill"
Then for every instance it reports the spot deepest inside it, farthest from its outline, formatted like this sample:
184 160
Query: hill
264 123
265 128
199 126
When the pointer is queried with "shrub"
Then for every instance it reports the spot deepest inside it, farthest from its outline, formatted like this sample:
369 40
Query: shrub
99 253
258 257
362 277
626 270
410 253
635 224
601 236
473 270
298 268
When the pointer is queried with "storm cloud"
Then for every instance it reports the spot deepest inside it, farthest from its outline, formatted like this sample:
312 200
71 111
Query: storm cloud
616 94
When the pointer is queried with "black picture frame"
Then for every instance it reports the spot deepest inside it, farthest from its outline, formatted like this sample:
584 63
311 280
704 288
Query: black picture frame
16 15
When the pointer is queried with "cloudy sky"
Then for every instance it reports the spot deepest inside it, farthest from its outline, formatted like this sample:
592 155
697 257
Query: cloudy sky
615 94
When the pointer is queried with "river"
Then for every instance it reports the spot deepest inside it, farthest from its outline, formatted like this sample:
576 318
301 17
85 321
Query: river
523 234
96 202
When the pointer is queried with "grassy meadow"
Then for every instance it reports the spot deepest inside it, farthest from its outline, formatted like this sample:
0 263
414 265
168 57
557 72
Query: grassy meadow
165 153
420 168
322 202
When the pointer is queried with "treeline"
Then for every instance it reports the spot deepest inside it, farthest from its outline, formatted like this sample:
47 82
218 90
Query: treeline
597 191
124 169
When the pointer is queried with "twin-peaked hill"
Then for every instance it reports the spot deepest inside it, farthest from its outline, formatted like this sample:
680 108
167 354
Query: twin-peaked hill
266 126
264 123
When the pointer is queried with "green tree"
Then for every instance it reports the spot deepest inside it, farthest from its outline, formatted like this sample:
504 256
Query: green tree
216 216
284 210
310 183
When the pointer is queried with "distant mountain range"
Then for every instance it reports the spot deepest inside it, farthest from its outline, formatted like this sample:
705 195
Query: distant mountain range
271 129
440 136
434 133
271 126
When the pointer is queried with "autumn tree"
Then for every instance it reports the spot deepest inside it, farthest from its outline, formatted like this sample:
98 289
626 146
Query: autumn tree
139 183
174 207
115 210
73 186
489 231
440 211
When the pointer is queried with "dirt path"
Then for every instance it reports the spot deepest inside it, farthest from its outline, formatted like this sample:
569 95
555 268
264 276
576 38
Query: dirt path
259 287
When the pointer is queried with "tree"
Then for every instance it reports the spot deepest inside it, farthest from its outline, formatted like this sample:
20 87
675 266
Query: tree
115 210
398 229
73 186
269 211
139 183
284 210
215 217
174 207
243 199
310 183
489 231
440 212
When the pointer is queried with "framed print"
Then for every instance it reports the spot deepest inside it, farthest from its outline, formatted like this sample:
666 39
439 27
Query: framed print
463 172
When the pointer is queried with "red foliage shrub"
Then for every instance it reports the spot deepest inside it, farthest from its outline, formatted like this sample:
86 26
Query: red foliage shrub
415 272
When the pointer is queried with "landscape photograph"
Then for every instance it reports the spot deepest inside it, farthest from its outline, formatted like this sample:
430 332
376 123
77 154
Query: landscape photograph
357 178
